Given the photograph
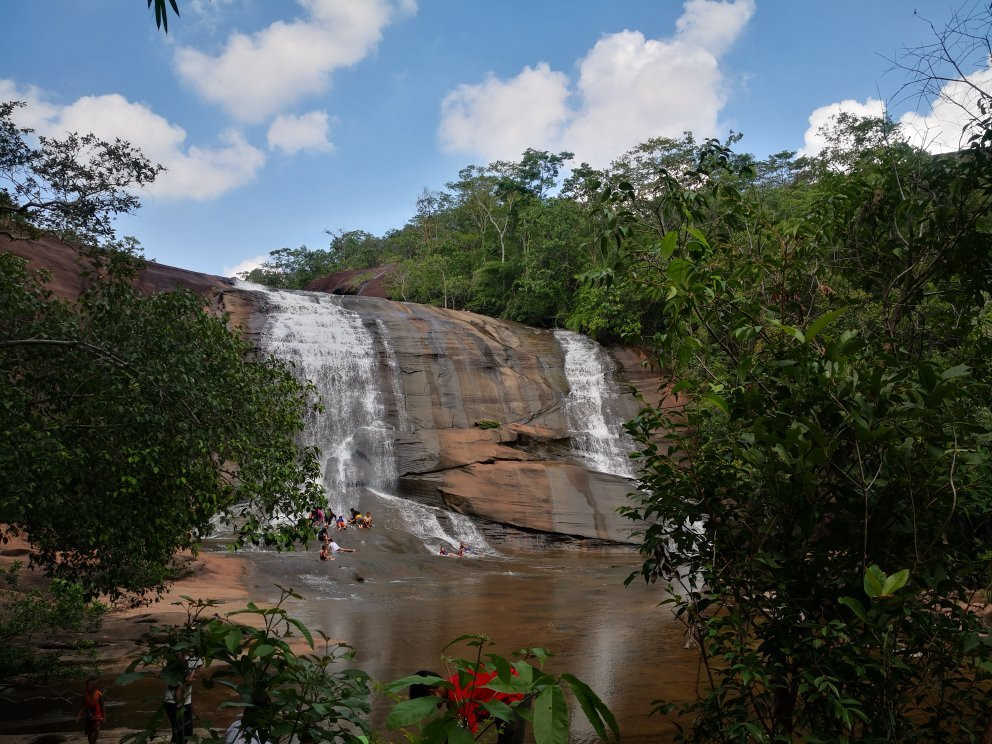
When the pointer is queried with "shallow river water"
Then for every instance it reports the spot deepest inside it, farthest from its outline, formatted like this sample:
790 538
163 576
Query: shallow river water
398 609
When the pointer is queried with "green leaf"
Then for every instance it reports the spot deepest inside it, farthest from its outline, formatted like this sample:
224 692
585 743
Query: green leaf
679 271
717 400
895 582
501 665
550 717
698 235
595 710
408 712
498 709
814 328
264 649
668 244
960 370
400 685
232 640
873 581
302 628
856 607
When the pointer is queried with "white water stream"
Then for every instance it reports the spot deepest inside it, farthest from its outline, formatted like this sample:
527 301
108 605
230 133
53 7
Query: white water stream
592 406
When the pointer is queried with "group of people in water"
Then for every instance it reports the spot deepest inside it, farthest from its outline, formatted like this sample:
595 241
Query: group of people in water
338 521
326 522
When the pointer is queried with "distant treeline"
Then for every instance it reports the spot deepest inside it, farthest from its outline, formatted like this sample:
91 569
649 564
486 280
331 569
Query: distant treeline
516 240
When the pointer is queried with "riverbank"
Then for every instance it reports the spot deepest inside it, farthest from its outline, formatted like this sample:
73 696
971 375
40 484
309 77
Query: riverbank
45 714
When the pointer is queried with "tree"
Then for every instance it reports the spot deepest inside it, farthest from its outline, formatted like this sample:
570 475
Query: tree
818 500
72 187
128 423
294 268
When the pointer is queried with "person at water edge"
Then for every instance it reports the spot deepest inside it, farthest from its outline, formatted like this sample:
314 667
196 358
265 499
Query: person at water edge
468 690
335 548
462 549
317 516
356 518
368 520
325 552
323 536
178 700
93 713
341 524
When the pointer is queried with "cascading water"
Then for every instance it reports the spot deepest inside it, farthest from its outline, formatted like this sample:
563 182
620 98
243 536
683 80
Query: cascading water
396 378
592 406
331 346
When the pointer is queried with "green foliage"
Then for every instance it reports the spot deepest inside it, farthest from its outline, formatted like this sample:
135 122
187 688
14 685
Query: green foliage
523 692
487 424
282 695
57 617
826 435
150 417
293 268
129 422
162 12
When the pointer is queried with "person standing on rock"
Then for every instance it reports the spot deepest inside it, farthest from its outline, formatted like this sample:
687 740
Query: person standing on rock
93 713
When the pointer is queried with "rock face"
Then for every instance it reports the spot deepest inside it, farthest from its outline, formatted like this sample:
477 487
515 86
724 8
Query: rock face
442 373
488 418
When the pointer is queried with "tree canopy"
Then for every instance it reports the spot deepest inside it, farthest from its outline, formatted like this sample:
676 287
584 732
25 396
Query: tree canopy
130 423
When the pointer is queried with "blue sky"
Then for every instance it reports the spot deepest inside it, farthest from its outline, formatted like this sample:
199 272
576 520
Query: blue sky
280 119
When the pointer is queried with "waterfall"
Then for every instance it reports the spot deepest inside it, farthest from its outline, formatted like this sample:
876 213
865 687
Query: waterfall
332 348
592 406
330 345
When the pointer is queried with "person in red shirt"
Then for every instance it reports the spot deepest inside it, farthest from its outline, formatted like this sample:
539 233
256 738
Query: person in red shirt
94 711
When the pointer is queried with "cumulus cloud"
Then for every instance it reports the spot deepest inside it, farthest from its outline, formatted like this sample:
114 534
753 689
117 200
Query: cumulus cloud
292 134
814 139
952 116
194 172
629 89
501 118
260 74
945 127
243 267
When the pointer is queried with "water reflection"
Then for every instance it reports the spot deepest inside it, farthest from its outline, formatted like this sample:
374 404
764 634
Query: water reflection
399 611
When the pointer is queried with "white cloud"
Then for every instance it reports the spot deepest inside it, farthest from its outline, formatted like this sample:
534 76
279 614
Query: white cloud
950 121
629 89
260 74
194 172
500 119
292 134
823 116
245 266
